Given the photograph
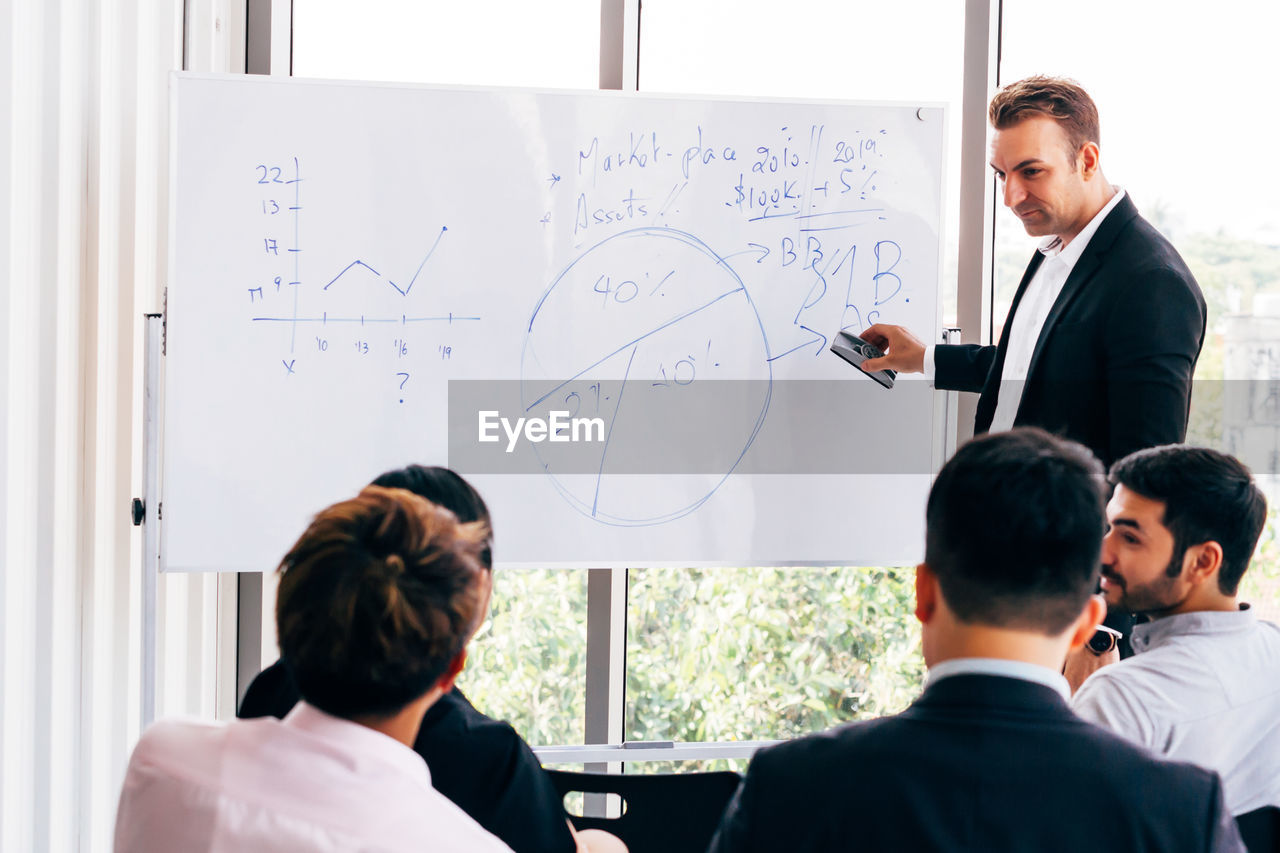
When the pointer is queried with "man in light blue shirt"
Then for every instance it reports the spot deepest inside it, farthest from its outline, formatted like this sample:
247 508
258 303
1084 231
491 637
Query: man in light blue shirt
1204 683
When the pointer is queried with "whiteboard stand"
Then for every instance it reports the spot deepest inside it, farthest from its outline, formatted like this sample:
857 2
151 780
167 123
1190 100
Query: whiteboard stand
650 751
605 681
249 645
950 406
147 511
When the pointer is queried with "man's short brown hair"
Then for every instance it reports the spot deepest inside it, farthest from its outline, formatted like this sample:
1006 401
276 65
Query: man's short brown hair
377 598
1057 98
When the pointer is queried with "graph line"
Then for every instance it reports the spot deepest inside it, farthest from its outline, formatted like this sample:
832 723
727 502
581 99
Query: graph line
403 291
297 249
348 267
430 252
647 334
402 319
595 503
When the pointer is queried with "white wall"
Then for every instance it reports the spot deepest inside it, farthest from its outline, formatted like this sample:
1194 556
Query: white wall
83 166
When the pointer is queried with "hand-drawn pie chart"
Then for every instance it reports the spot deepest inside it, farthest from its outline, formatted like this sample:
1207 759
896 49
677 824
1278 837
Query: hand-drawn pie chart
655 334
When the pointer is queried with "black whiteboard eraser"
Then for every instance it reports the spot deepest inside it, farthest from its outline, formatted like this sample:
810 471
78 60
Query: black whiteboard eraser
855 350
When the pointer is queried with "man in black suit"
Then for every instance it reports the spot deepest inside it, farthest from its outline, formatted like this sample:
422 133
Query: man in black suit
1103 334
989 758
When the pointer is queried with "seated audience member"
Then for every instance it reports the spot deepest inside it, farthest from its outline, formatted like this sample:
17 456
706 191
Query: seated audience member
480 764
989 754
1204 682
377 601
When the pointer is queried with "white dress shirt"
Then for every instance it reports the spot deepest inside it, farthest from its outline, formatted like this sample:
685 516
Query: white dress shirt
1033 309
310 782
1001 667
1201 687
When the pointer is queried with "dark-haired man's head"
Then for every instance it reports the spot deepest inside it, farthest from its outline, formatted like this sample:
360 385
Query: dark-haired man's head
1184 522
445 488
1014 528
377 601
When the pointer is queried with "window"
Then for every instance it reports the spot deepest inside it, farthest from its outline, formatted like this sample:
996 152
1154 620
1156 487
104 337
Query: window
815 49
1180 141
527 663
763 653
497 43
758 654
809 647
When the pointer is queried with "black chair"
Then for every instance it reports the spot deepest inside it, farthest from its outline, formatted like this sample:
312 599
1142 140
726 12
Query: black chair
1260 829
662 813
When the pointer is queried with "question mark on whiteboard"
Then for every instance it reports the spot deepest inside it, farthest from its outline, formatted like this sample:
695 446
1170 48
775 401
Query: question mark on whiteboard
402 381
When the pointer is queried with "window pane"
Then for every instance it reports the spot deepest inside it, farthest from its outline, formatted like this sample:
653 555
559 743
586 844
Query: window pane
757 654
858 51
1177 139
528 662
496 43
1261 584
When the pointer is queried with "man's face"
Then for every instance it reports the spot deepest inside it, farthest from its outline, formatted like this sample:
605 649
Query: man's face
1137 556
1043 183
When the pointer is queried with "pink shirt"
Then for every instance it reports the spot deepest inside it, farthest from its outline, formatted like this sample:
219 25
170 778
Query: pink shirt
310 782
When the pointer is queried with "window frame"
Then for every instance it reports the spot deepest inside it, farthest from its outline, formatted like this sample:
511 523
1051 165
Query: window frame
269 50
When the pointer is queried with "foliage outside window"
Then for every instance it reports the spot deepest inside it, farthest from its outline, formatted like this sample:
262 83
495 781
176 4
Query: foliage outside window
754 654
712 654
527 663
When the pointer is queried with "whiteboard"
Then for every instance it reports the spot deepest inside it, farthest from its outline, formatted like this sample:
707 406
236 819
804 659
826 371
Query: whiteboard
359 271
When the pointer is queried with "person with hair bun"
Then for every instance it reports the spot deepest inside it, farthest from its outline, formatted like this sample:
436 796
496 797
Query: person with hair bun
377 601
479 763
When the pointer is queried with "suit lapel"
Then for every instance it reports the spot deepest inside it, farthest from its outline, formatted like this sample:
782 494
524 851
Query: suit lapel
1083 271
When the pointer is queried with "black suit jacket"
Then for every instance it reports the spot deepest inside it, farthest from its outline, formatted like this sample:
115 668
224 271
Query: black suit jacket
480 764
978 763
1112 367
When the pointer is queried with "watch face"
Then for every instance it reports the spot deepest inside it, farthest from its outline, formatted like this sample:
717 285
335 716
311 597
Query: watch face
1102 641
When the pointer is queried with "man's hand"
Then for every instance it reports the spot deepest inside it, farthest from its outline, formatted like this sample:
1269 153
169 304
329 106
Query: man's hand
903 351
596 841
1083 663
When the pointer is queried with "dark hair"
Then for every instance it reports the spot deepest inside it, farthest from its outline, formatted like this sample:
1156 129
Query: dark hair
1014 530
376 599
1057 98
445 488
1207 496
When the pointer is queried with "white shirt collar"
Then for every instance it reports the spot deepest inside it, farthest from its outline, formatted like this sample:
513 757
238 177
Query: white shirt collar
1001 667
357 739
1150 635
1051 247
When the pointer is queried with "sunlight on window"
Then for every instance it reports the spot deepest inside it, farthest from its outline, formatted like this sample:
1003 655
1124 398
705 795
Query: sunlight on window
1172 131
910 51
497 43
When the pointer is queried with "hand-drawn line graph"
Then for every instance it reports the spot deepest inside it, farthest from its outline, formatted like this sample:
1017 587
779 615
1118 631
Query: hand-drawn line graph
634 329
323 317
403 291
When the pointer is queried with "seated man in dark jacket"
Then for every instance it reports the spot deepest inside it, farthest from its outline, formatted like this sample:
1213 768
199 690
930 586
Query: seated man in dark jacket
989 758
480 764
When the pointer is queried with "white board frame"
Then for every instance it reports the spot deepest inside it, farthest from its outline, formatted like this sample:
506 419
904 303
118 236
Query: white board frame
940 416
